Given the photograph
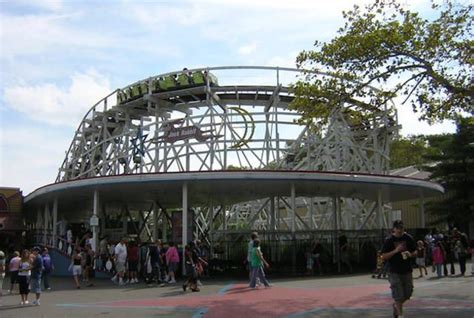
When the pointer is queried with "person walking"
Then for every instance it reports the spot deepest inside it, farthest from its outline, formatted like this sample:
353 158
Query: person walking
317 252
48 268
461 246
76 266
103 253
344 253
154 259
420 257
172 260
256 263
471 251
191 259
88 266
36 274
120 254
24 273
132 256
398 250
449 258
253 237
2 273
438 258
13 268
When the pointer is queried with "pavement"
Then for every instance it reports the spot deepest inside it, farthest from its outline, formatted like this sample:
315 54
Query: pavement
347 296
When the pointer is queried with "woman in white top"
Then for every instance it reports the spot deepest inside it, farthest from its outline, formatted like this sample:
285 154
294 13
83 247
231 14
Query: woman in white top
24 273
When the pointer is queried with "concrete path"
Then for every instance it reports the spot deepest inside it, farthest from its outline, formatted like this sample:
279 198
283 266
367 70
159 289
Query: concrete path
339 296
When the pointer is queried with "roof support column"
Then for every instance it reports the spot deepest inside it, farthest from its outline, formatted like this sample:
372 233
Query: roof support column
38 225
55 222
293 208
45 224
164 225
124 219
293 225
155 221
94 222
185 222
380 214
210 228
272 227
336 250
272 214
422 210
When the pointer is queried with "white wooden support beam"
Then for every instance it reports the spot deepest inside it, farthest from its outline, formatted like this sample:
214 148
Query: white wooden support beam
184 222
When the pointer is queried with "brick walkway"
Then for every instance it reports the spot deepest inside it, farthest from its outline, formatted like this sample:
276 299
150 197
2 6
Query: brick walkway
349 296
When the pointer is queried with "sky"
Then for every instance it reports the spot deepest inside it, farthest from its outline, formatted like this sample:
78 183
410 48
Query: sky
58 58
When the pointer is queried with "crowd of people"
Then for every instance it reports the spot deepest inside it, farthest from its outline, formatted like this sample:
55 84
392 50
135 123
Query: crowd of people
131 261
440 251
30 270
400 249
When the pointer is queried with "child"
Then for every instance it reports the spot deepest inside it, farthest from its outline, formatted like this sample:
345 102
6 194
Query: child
438 258
420 258
380 270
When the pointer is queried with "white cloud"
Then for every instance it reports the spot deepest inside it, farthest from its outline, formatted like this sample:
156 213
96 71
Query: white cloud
50 5
284 61
55 105
26 35
411 125
247 49
34 156
164 17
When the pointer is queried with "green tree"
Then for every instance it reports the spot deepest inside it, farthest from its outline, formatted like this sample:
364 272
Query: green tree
413 150
455 171
427 62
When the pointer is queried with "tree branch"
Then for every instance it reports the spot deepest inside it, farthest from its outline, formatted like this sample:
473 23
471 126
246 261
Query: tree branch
416 85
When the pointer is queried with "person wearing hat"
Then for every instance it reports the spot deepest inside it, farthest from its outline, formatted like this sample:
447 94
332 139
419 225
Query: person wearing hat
398 250
2 273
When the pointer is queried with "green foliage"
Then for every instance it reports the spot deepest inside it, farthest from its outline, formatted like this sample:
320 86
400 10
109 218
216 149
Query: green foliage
232 167
455 171
429 63
415 150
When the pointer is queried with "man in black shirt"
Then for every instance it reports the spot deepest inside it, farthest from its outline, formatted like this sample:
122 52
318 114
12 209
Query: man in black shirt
398 250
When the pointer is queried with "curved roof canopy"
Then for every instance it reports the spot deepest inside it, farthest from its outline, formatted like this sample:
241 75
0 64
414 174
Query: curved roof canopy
233 186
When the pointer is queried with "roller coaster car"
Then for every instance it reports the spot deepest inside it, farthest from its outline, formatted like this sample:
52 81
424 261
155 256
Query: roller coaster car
165 84
212 79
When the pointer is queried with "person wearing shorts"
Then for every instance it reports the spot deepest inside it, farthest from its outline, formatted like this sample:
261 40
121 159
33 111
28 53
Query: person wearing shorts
398 250
420 257
76 266
36 274
172 260
121 258
132 256
13 268
24 273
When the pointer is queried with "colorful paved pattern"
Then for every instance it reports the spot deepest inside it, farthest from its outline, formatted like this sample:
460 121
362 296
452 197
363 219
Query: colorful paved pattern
237 300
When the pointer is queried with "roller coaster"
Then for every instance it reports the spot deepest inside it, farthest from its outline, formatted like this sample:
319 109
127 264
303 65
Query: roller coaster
224 143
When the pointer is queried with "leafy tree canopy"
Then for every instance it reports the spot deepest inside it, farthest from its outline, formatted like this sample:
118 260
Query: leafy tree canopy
416 150
455 171
427 62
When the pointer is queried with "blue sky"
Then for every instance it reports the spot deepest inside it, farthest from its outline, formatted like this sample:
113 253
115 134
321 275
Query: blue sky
58 58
